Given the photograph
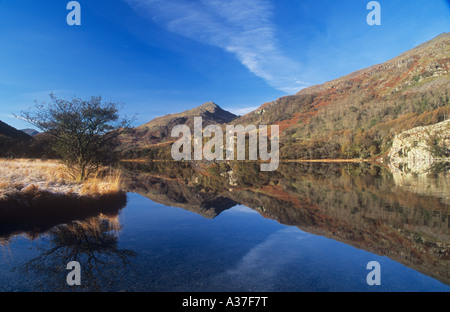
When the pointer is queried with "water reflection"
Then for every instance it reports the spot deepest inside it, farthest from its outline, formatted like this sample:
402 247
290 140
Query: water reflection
398 215
436 183
362 205
93 243
43 211
83 230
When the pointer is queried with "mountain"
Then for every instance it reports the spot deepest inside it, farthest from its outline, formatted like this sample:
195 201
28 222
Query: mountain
10 133
359 114
13 142
158 130
30 132
355 116
210 112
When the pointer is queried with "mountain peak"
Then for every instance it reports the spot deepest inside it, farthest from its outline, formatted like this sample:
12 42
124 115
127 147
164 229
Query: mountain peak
212 108
209 104
158 129
209 107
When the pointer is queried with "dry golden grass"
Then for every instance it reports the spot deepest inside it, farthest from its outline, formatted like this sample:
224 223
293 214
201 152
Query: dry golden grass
102 183
26 175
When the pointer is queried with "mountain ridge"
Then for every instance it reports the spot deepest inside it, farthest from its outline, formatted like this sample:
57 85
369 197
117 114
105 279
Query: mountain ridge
11 133
158 130
30 132
208 109
13 142
404 59
353 116
357 115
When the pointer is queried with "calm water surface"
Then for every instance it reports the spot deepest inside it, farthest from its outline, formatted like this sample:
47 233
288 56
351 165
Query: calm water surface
153 245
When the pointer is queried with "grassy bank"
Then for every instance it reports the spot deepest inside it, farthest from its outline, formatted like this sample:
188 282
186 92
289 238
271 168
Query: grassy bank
21 176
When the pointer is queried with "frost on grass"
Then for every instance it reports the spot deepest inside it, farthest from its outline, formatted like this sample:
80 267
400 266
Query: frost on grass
19 176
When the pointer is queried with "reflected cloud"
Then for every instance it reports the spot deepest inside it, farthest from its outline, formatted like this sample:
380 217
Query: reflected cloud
258 268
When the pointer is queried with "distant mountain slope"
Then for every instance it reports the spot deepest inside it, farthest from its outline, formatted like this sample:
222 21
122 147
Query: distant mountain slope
11 133
30 132
425 67
359 114
158 130
355 116
13 142
210 111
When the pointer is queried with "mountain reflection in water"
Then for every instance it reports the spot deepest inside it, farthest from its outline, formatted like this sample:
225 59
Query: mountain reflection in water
402 216
398 215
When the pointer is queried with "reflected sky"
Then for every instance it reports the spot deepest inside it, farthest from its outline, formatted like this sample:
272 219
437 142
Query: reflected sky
239 250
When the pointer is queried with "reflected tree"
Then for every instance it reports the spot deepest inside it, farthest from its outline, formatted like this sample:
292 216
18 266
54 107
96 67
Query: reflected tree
93 243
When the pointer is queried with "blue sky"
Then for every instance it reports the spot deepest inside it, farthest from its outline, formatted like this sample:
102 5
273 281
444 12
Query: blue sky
165 56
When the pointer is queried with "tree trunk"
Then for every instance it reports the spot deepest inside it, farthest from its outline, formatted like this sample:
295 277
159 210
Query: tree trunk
81 169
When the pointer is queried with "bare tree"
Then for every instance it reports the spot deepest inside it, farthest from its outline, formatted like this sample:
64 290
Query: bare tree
85 132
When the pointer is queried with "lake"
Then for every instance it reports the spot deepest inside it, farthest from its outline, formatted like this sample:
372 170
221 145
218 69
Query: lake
229 227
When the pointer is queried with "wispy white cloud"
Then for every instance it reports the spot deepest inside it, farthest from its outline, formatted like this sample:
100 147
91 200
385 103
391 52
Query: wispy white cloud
7 115
243 28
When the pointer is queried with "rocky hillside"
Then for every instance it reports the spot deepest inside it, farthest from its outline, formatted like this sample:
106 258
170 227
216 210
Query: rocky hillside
417 149
357 116
158 130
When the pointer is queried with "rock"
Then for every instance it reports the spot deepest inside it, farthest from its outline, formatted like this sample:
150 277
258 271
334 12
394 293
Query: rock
231 179
418 149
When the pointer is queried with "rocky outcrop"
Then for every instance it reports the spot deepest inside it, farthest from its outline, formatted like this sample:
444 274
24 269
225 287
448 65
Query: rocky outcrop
419 149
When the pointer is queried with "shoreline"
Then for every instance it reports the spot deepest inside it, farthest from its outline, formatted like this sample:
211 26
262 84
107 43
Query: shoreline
353 160
22 178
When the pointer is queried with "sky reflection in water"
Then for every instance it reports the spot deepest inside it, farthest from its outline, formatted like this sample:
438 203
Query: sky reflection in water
153 247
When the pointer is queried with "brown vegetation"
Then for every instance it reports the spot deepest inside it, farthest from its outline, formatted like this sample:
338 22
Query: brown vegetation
355 116
29 176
